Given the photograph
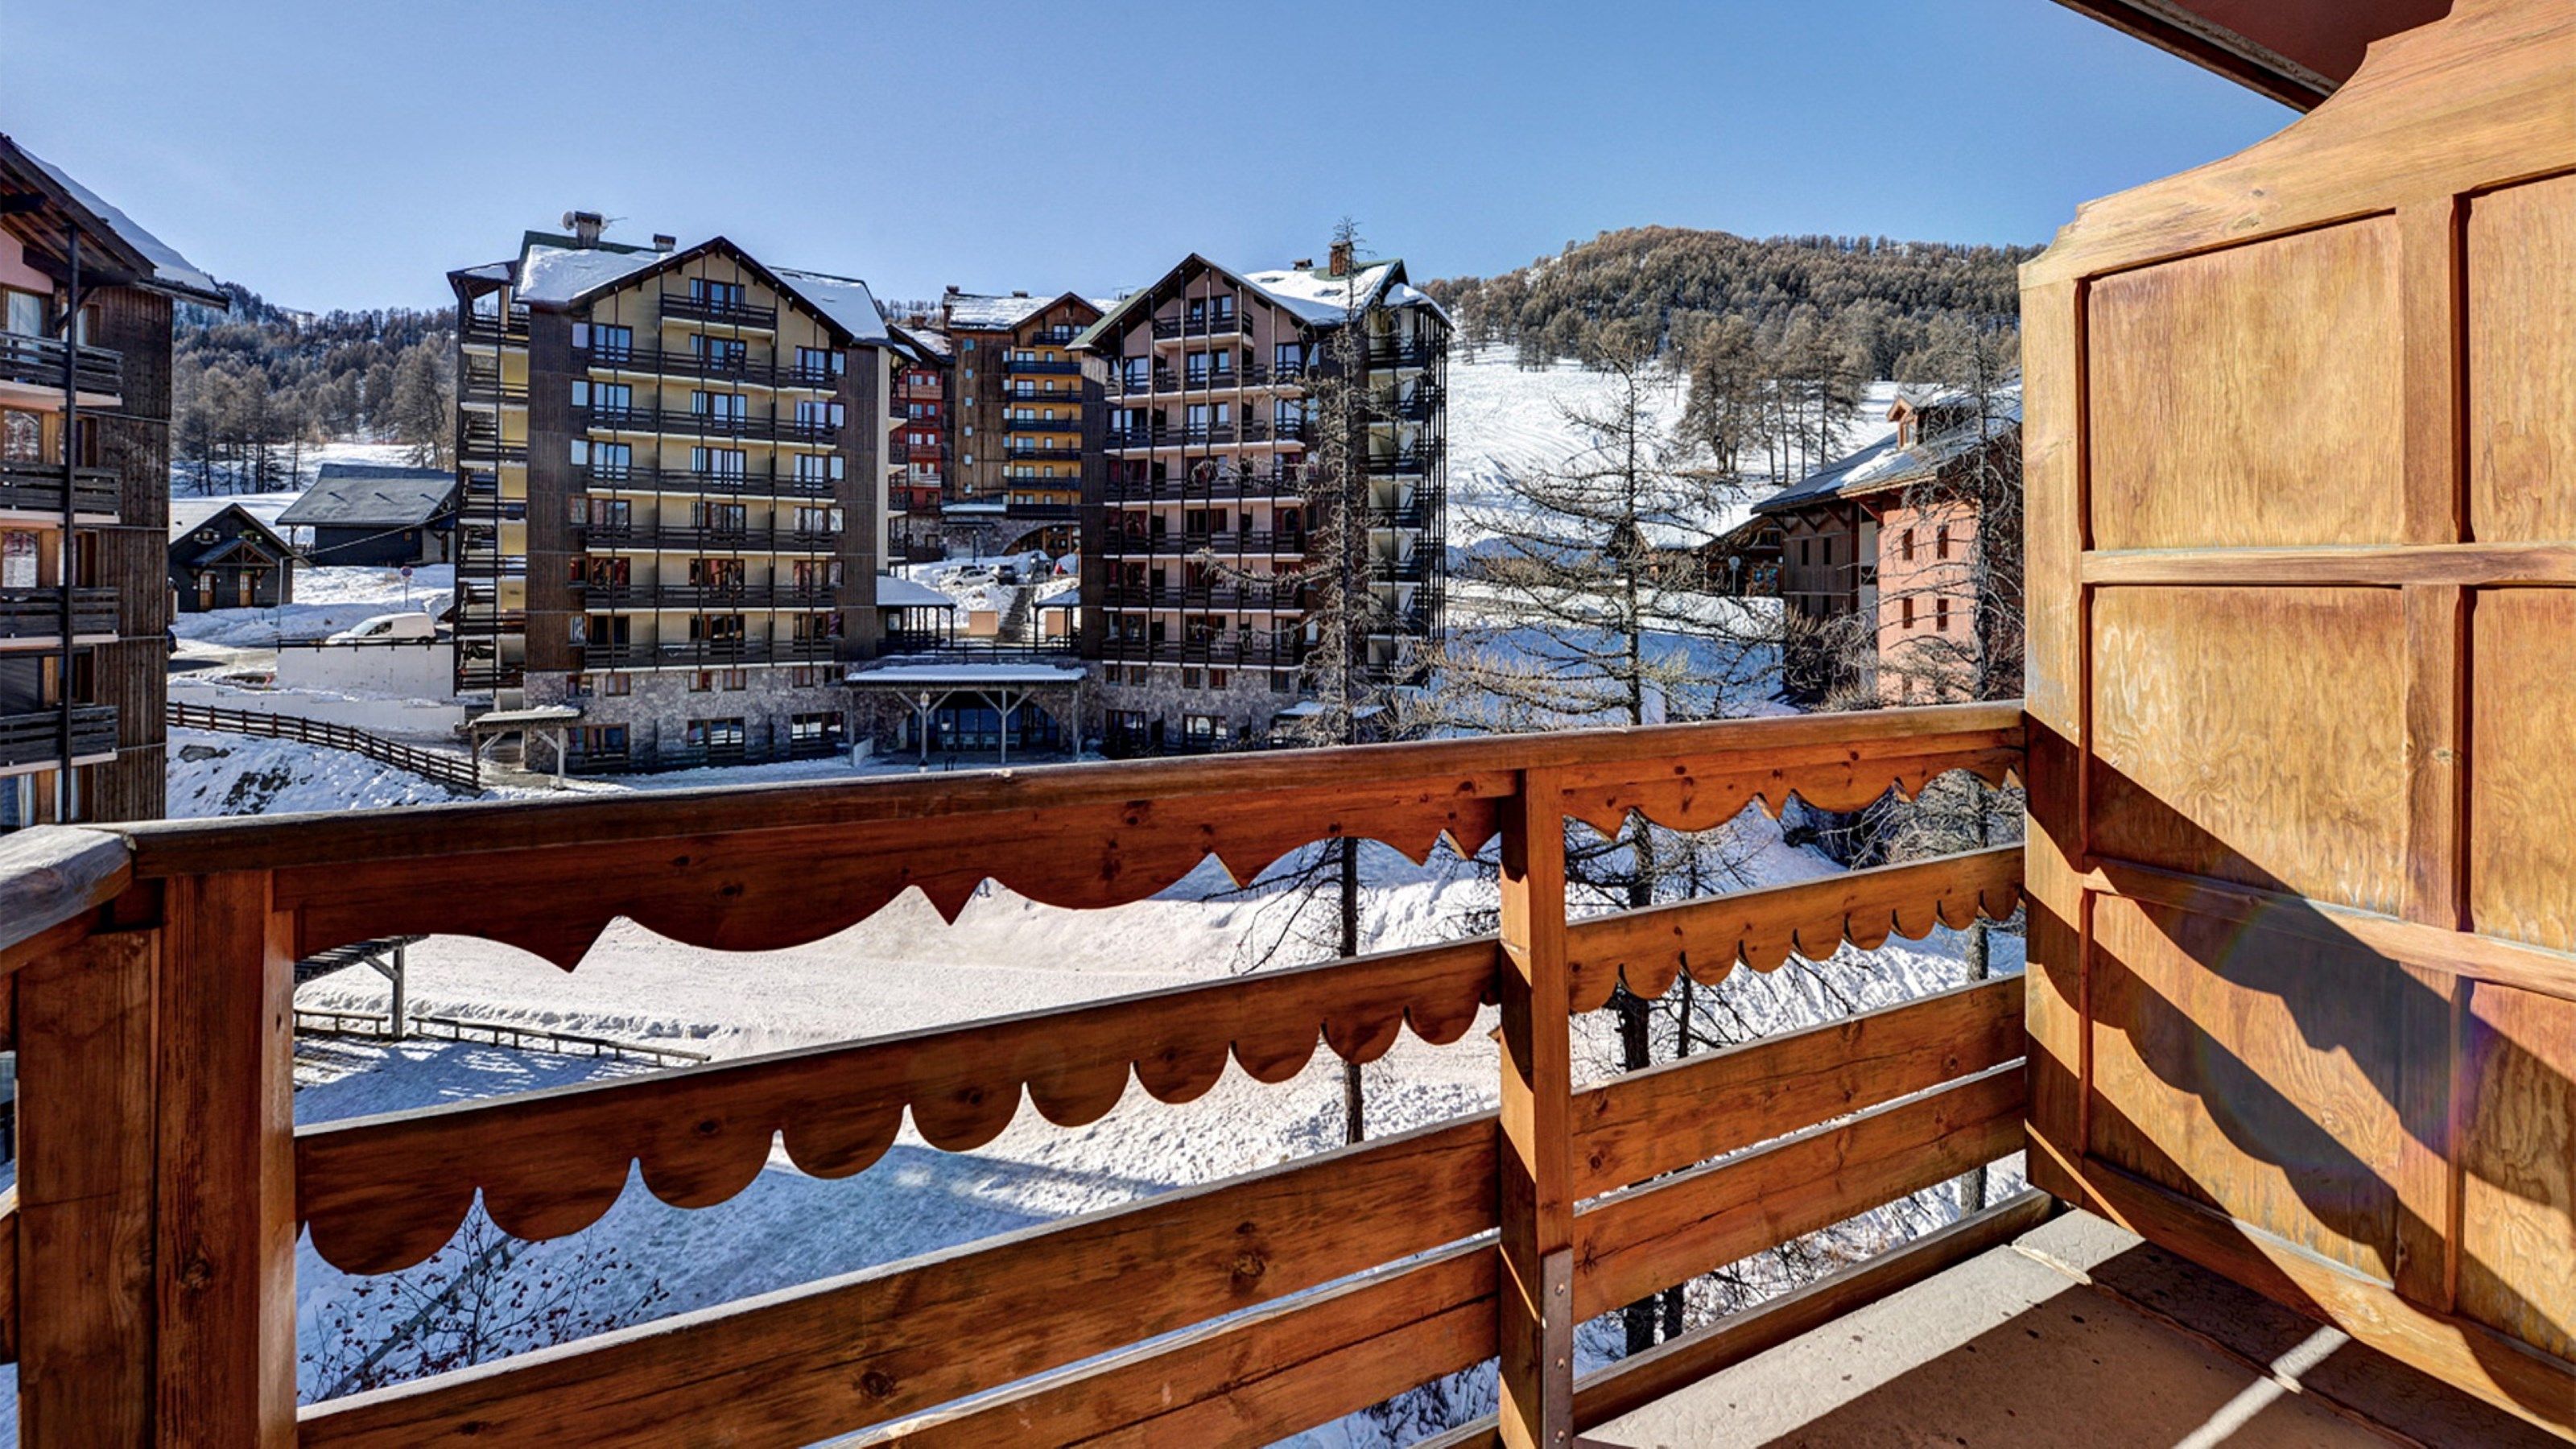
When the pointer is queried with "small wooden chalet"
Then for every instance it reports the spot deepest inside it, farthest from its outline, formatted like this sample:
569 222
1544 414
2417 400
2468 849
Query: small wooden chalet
221 557
367 513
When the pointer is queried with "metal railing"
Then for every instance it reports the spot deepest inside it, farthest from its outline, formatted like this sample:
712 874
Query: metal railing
728 314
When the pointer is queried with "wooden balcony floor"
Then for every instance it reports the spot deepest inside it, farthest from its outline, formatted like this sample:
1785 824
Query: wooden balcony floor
2077 1334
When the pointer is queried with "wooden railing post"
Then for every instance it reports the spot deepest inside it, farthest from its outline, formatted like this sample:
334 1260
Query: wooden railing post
1535 1338
84 1221
225 1271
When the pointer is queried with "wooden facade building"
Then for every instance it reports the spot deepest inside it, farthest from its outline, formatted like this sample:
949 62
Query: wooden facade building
84 497
221 557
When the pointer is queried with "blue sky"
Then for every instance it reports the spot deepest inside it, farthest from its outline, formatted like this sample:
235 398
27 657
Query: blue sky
348 152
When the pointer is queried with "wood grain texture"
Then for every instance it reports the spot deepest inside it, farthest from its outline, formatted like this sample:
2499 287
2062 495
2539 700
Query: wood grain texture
224 1261
2517 1160
1648 949
845 1353
1646 1123
2437 656
1251 1380
2465 565
1675 1364
83 1229
1697 1221
2209 375
1534 1303
2287 773
2522 362
383 1193
2478 100
2250 1072
2522 793
53 875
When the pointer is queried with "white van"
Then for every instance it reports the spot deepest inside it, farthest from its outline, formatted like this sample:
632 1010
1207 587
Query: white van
384 627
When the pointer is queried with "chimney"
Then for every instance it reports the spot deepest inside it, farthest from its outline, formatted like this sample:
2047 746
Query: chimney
664 241
954 291
1019 294
1302 264
585 227
1341 263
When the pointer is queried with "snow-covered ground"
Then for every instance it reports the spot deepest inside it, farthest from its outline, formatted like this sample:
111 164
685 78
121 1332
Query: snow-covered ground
1508 421
226 774
187 480
326 600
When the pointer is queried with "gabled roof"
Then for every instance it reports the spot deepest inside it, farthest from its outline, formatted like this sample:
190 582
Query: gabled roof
187 515
1313 295
1883 464
555 277
244 543
155 264
371 495
928 343
968 312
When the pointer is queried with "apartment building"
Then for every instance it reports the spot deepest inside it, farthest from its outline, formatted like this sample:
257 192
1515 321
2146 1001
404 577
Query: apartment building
1022 406
86 301
920 425
1205 490
674 470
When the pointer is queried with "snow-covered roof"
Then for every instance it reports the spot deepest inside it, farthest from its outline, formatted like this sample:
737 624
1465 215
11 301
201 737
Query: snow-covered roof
961 676
371 495
930 340
1319 296
896 592
502 719
1883 464
992 314
169 269
845 300
552 276
489 272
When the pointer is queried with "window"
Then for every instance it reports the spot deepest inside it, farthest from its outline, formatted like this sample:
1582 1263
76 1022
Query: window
1905 546
1941 614
600 740
729 294
824 362
577 686
729 407
27 314
813 729
701 682
1905 609
22 434
816 416
1941 542
737 679
720 354
612 462
610 513
817 520
719 462
805 676
1290 358
610 344
617 686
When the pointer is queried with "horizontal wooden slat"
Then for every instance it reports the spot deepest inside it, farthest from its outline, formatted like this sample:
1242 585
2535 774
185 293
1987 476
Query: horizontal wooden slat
1483 763
1675 1364
1254 1379
2471 565
380 1193
848 1352
2435 948
1645 1123
52 876
1692 1222
1648 948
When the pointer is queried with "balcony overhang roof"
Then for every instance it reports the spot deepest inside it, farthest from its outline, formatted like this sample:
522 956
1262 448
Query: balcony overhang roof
2295 51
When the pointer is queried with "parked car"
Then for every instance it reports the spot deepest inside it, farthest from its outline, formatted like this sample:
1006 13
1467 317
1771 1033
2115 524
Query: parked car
383 627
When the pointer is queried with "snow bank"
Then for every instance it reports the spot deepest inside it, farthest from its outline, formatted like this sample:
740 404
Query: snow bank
326 600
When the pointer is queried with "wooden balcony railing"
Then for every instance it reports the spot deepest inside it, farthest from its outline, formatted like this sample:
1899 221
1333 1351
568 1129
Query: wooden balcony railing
164 1181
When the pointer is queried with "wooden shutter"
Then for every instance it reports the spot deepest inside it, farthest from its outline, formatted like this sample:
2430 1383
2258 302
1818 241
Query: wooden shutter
2301 452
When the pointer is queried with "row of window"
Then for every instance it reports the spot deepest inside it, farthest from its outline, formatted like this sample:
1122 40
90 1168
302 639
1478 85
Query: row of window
612 572
612 514
1940 614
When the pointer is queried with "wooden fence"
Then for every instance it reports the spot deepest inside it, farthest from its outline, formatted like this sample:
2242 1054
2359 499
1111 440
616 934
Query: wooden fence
457 771
152 972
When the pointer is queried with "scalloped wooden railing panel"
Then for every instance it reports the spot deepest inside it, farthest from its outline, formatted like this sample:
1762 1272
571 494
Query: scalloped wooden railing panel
1648 948
383 1193
760 890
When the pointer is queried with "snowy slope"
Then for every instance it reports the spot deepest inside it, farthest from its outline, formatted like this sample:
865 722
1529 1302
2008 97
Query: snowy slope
1507 421
326 599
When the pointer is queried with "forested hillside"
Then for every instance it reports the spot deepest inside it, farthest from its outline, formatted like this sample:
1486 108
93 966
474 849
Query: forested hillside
1873 294
1777 337
250 387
